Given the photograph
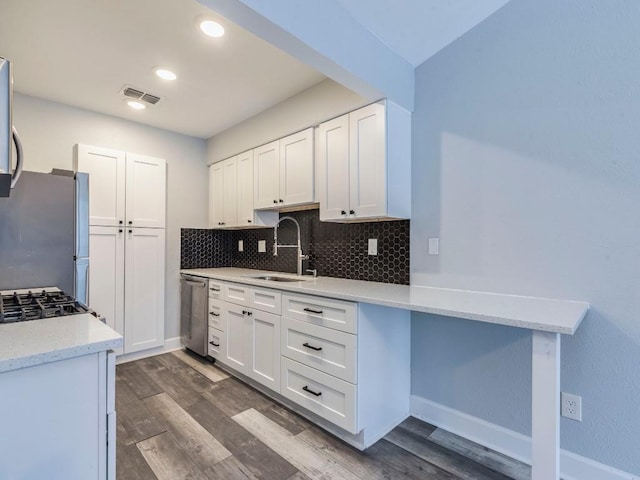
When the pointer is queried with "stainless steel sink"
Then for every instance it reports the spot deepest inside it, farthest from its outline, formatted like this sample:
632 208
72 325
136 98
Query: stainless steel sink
277 278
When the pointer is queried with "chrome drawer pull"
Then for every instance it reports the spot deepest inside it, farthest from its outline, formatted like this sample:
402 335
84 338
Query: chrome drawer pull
307 389
214 344
317 349
214 314
310 310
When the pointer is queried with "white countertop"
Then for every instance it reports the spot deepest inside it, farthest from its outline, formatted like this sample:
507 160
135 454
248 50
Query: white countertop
558 316
25 344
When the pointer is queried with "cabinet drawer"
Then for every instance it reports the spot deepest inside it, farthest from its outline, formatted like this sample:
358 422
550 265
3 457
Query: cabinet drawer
325 349
264 299
327 312
215 289
215 314
329 397
215 343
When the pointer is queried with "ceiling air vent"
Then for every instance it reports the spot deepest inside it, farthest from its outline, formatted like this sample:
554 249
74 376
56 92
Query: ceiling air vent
138 94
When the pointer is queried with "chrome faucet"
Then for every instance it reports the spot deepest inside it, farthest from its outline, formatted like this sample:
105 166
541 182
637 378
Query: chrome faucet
276 246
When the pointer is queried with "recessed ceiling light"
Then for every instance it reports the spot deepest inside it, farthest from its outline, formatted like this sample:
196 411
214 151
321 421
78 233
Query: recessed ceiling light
211 28
136 105
165 74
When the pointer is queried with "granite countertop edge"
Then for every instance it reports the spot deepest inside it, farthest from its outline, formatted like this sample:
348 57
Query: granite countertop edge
38 342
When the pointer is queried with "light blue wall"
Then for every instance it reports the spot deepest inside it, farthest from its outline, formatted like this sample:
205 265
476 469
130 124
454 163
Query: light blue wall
526 164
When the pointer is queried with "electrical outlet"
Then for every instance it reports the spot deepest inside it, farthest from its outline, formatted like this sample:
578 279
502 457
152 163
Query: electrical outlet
571 406
373 246
241 245
262 246
433 246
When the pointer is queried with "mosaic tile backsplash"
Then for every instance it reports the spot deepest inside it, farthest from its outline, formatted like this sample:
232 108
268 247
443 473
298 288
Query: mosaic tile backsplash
335 249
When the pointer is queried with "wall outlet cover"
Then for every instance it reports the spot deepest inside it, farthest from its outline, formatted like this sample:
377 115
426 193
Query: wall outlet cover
241 245
262 246
571 406
434 246
373 246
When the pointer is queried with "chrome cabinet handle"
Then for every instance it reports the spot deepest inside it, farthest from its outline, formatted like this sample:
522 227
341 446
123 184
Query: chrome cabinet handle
307 389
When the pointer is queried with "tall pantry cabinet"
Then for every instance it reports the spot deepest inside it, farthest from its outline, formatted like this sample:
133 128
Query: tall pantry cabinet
127 209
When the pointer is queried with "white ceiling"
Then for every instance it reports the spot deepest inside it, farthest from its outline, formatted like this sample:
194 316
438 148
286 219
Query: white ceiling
417 29
81 52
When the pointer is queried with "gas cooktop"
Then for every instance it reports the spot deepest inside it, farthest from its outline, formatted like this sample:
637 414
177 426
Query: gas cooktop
37 303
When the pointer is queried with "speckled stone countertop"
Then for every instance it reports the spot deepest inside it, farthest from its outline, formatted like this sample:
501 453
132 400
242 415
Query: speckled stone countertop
534 313
25 344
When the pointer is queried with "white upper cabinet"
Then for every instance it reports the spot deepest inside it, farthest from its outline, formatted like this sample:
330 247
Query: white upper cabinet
296 168
146 191
231 189
230 192
332 168
364 164
266 180
106 169
283 171
216 195
124 188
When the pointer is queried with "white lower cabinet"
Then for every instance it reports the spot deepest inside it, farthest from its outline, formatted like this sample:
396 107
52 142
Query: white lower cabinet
126 283
62 418
345 364
322 394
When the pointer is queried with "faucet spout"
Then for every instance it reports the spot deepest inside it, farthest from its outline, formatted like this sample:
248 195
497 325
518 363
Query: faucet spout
276 245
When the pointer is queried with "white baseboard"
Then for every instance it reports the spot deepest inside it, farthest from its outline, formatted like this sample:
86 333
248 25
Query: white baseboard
170 345
508 442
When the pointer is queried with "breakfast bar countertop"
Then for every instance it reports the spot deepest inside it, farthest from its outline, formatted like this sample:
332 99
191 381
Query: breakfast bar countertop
534 313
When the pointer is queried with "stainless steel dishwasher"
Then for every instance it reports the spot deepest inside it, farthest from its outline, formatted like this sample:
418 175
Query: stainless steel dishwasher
194 302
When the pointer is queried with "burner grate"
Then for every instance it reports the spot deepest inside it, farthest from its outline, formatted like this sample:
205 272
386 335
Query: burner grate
34 305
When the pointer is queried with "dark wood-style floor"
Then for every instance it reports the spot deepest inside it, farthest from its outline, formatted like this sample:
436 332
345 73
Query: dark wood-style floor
182 418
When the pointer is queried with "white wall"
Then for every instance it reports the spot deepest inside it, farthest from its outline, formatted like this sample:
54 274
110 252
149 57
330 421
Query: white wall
321 102
525 164
49 131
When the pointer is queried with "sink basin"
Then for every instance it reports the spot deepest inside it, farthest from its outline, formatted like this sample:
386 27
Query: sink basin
277 278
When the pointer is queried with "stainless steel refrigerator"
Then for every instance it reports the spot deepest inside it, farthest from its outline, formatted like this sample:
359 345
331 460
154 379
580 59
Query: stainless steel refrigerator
44 233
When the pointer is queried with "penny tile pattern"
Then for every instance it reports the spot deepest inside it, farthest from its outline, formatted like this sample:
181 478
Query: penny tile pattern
335 249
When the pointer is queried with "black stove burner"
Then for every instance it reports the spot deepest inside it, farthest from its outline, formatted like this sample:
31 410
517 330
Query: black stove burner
34 305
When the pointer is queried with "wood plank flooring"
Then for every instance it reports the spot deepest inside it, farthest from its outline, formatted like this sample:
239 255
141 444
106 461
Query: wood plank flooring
181 418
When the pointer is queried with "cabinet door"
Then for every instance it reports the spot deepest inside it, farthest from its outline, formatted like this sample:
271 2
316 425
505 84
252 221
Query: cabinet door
245 188
266 165
230 192
216 195
146 191
367 158
106 169
144 289
106 275
296 168
236 336
264 336
332 169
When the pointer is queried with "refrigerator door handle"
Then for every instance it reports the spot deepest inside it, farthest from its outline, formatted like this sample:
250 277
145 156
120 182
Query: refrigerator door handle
19 156
81 290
